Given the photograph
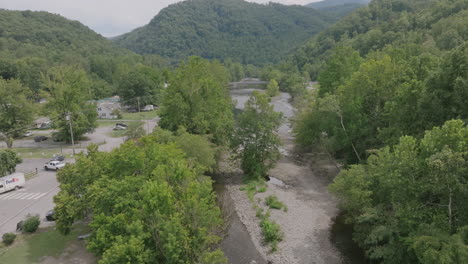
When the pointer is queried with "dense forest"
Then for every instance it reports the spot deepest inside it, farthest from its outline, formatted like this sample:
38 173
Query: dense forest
248 33
325 4
391 99
33 42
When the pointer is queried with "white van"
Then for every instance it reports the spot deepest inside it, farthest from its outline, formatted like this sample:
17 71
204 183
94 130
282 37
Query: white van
10 182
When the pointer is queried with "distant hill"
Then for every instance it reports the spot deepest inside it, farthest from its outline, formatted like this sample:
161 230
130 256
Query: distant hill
46 35
246 32
334 3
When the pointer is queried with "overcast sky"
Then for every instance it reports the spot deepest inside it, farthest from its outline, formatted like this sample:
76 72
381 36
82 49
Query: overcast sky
108 17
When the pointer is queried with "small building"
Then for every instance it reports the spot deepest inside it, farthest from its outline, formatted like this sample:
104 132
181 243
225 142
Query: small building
107 110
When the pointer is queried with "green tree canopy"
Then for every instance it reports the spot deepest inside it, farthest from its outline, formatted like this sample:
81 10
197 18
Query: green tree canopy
408 202
16 111
8 162
141 86
148 204
68 94
197 98
255 141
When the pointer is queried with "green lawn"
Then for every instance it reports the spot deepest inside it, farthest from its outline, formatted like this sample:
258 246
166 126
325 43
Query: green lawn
31 248
140 116
38 152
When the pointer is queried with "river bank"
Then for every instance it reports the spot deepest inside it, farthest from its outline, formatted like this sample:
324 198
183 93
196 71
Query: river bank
311 208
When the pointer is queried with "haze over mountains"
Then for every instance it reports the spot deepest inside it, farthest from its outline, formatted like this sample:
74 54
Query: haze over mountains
246 32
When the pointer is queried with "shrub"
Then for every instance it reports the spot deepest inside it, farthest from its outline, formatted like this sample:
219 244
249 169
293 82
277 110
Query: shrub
271 233
273 202
8 238
31 223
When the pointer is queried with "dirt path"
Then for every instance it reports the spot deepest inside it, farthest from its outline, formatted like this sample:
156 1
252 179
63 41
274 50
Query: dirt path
311 208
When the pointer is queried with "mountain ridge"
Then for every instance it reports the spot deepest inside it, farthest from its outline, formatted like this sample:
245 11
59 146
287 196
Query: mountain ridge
246 32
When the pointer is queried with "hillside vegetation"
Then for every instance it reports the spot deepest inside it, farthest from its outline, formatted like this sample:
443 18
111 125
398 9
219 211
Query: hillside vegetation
435 25
391 105
246 32
33 42
334 3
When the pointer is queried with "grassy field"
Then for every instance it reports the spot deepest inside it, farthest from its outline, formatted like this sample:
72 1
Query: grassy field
39 152
31 248
140 116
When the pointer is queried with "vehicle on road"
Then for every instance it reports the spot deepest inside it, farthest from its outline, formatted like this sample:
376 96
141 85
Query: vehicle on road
50 216
121 124
40 138
118 127
58 158
13 181
54 165
148 108
27 134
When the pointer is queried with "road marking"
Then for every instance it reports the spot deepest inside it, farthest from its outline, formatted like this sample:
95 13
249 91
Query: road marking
22 196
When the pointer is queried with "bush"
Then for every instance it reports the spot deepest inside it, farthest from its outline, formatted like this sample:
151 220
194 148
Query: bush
31 223
271 233
273 202
8 238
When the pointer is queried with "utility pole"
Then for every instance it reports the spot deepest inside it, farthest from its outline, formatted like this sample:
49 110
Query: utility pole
69 118
138 99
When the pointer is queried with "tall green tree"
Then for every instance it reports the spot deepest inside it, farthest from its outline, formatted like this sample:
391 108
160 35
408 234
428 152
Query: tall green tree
16 110
8 162
272 88
197 98
68 94
255 142
141 86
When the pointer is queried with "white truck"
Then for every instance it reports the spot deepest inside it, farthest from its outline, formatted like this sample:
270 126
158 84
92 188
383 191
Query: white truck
54 165
10 182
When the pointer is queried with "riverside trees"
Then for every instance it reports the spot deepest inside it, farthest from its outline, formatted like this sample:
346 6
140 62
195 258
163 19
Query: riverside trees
255 142
149 202
197 99
408 203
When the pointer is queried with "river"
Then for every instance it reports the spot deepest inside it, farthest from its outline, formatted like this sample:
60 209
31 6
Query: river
311 233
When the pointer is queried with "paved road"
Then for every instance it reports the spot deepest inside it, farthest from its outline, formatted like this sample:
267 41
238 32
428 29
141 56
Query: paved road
35 198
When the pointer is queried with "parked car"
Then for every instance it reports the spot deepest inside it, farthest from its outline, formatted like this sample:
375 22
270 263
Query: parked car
121 124
148 108
50 216
54 165
58 158
28 134
119 128
40 138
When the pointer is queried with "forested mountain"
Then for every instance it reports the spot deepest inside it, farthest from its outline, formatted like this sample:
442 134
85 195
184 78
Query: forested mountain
434 24
334 3
246 32
33 42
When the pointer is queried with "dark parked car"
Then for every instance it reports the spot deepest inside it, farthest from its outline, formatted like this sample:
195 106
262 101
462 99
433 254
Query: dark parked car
58 158
40 138
50 216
